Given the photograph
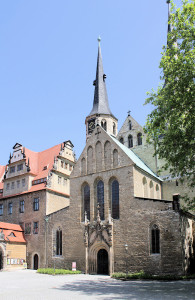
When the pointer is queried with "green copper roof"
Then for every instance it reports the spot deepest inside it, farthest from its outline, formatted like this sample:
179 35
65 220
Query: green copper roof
137 161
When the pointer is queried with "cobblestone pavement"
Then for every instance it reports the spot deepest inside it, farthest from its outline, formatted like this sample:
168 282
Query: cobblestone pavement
27 284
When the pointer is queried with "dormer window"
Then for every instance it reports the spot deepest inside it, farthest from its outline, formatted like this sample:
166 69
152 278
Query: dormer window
12 169
20 167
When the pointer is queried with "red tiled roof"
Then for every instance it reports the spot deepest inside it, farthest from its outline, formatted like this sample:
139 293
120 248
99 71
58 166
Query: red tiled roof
2 171
37 162
12 232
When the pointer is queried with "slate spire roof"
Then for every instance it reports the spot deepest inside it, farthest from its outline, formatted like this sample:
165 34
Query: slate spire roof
100 103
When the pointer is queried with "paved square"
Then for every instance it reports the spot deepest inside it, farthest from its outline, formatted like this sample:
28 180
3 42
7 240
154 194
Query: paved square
27 284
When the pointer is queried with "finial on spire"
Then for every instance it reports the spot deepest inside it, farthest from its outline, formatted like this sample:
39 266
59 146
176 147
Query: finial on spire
99 39
129 112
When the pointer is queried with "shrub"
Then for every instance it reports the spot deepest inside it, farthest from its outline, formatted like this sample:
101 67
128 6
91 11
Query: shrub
51 271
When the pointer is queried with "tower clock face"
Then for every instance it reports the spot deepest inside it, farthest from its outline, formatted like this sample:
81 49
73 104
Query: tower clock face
91 126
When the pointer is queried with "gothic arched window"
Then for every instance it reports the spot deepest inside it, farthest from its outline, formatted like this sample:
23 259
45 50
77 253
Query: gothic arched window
121 140
86 201
139 138
130 141
59 242
114 128
155 239
100 198
104 124
115 199
130 125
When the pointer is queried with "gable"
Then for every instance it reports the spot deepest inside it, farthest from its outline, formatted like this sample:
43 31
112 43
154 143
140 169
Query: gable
104 152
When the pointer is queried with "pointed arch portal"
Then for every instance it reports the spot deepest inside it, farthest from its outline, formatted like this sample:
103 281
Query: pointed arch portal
102 262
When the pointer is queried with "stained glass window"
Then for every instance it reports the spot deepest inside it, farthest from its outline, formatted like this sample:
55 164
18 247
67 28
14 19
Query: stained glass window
86 192
100 198
115 199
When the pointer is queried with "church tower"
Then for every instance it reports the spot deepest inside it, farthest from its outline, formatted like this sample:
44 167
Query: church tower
100 114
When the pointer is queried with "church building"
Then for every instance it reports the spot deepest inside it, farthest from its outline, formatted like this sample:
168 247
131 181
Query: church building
118 220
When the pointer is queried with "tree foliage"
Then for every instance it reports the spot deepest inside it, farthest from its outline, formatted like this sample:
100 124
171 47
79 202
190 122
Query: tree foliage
172 122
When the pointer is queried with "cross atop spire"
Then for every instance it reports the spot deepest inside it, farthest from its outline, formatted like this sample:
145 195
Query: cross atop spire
100 103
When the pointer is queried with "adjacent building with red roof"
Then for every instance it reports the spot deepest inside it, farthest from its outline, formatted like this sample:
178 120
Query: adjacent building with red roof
34 185
12 246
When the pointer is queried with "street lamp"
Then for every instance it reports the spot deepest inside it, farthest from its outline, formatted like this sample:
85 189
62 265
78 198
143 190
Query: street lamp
126 249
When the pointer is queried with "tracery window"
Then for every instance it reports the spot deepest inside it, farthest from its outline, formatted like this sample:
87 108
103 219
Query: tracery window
139 139
155 239
100 198
86 201
115 199
130 141
59 242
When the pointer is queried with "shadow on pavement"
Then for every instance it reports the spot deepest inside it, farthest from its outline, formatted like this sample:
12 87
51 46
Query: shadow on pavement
114 289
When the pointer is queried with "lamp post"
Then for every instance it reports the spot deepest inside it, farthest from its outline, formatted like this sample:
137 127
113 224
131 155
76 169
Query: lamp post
126 249
54 261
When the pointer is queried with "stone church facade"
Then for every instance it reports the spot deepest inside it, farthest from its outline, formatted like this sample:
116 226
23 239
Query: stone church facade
118 220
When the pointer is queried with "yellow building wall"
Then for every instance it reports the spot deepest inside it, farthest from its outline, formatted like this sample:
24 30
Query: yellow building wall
15 251
146 186
55 202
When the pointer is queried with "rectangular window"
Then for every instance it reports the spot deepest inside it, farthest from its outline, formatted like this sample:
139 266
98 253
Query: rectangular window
21 206
18 183
10 205
23 182
20 167
62 164
7 186
12 169
59 242
36 204
66 166
1 209
12 185
59 180
27 228
36 227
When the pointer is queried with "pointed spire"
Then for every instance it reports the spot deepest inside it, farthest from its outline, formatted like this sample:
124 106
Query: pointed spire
169 25
100 103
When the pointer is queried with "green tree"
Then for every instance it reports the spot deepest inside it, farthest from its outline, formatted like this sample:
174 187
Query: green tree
171 124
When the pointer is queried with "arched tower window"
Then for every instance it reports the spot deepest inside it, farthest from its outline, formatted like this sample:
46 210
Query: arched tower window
59 242
115 199
155 239
130 125
130 141
86 201
139 139
114 128
104 124
121 140
100 198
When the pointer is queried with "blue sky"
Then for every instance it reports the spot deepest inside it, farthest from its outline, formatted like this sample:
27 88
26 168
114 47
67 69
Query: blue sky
48 53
